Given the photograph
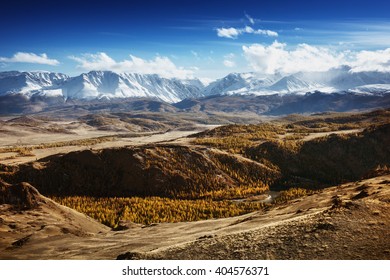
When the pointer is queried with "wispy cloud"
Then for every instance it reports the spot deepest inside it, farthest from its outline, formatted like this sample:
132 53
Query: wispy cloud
356 34
277 57
233 33
160 65
251 19
229 63
195 54
229 60
22 57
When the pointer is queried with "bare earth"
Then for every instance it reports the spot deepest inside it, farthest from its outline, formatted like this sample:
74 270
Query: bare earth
28 138
344 222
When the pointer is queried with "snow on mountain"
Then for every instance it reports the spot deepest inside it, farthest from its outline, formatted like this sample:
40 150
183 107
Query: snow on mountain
29 83
99 84
376 89
106 84
194 82
240 83
293 84
231 82
334 80
110 85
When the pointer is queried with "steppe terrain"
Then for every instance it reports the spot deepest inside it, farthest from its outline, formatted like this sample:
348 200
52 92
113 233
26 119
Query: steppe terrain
294 187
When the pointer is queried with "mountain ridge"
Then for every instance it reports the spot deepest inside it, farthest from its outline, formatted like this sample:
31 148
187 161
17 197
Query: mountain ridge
111 85
98 85
303 92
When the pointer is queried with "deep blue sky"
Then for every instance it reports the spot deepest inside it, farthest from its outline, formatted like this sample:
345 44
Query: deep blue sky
185 32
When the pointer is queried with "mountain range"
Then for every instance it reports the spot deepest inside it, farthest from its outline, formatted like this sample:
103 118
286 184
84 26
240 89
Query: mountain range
98 85
110 85
335 90
334 80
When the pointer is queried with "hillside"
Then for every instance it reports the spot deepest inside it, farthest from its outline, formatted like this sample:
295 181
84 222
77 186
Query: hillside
344 222
156 170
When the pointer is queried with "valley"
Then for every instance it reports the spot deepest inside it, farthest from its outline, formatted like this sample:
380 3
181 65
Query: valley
160 186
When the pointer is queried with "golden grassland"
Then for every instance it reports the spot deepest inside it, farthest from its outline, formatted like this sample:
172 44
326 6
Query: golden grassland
235 138
111 210
148 210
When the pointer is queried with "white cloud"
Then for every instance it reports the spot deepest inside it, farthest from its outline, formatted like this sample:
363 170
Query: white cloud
160 65
278 58
372 61
247 29
23 57
266 32
233 33
228 32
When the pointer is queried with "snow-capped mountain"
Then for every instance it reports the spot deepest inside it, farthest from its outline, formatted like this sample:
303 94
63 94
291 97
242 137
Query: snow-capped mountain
293 84
240 83
30 83
99 84
110 85
104 84
334 80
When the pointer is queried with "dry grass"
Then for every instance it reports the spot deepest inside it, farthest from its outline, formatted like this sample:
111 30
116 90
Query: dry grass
236 138
27 150
111 210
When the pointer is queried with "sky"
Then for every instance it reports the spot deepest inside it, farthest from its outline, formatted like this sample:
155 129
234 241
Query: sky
186 39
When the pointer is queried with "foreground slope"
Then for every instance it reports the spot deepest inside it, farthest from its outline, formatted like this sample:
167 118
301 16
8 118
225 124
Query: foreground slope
344 222
349 221
27 218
